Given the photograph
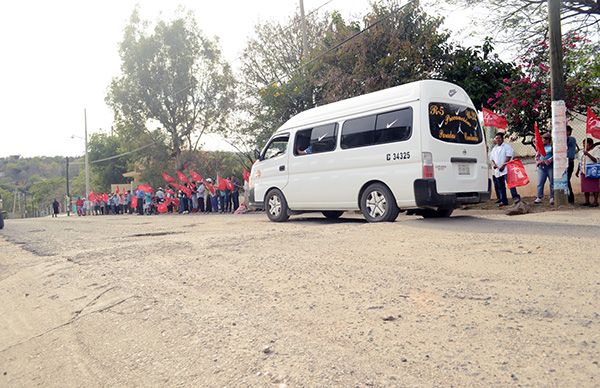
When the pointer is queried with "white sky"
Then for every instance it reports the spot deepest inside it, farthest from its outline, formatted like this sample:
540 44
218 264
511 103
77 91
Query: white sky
58 57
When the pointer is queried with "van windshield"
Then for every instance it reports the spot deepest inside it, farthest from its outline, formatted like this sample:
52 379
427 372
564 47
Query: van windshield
454 123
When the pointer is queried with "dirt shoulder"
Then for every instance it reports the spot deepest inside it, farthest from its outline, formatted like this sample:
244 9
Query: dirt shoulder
478 299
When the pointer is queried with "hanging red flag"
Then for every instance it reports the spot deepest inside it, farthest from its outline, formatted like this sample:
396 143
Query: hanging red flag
246 175
221 183
592 124
539 143
117 190
195 176
168 178
145 188
515 174
134 202
491 119
182 177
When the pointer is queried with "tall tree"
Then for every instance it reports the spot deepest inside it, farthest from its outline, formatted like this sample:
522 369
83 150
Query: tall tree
173 76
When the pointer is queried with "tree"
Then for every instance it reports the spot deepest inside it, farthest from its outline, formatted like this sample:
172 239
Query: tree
103 174
477 70
174 76
525 97
526 21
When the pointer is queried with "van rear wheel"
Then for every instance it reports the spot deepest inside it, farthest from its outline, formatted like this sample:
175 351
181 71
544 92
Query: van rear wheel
276 206
332 215
378 204
437 213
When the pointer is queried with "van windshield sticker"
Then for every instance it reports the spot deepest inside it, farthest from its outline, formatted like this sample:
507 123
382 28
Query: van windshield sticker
454 123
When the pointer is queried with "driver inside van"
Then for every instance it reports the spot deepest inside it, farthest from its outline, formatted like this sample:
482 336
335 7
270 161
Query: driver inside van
306 151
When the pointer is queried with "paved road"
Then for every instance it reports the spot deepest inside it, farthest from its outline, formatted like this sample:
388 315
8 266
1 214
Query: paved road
477 299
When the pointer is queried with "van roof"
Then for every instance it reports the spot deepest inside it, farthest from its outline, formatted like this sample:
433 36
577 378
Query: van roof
387 97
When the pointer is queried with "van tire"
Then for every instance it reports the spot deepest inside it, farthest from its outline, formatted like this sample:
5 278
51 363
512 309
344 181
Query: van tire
437 213
332 214
276 206
378 204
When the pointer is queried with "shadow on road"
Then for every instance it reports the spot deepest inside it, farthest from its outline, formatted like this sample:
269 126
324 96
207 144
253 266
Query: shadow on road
508 227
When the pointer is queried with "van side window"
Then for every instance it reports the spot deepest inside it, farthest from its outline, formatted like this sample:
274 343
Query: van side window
383 128
393 126
276 147
358 132
316 140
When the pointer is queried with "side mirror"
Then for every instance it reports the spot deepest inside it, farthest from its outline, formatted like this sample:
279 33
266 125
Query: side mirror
257 154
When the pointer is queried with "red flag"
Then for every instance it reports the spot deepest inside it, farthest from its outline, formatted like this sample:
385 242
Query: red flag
209 187
186 190
169 191
539 143
92 196
134 202
145 188
515 174
162 207
592 124
246 175
182 177
117 190
230 185
195 176
105 197
168 178
221 183
491 119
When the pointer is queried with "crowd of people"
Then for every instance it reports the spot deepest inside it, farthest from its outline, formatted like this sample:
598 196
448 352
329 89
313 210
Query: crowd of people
502 153
192 197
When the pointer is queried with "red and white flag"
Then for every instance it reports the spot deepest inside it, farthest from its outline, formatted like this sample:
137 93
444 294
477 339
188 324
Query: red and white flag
491 119
592 124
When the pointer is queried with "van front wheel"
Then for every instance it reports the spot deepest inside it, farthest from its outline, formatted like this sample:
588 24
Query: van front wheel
378 204
276 206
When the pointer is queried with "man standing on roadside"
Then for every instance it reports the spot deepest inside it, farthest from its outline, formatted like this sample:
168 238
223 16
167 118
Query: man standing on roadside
501 154
139 194
571 154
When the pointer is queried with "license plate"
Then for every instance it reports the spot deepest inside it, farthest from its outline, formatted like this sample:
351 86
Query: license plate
463 169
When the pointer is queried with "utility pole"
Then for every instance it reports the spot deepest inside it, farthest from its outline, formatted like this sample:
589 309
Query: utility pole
87 162
559 110
304 36
68 191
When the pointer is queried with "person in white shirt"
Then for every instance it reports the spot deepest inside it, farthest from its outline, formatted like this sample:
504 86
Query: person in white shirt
501 154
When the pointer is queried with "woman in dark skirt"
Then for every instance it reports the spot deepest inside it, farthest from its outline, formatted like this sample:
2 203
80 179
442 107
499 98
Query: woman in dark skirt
589 185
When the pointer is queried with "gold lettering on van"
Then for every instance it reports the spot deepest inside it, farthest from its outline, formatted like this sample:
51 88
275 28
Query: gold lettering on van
449 119
444 135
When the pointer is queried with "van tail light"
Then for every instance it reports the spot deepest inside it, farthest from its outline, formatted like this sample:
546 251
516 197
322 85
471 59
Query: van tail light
427 165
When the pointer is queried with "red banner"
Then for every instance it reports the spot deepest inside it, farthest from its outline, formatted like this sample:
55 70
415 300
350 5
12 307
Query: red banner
246 175
592 124
182 177
515 174
168 178
145 188
491 119
195 176
539 143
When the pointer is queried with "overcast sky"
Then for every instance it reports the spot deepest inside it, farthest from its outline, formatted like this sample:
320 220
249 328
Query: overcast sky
60 56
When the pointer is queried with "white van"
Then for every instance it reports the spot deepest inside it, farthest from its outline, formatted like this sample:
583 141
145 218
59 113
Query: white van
417 148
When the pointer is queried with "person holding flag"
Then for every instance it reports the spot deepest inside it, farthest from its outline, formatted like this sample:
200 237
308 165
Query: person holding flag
544 165
589 185
501 154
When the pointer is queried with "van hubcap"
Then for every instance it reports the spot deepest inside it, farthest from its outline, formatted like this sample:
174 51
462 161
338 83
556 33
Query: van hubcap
274 205
376 204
